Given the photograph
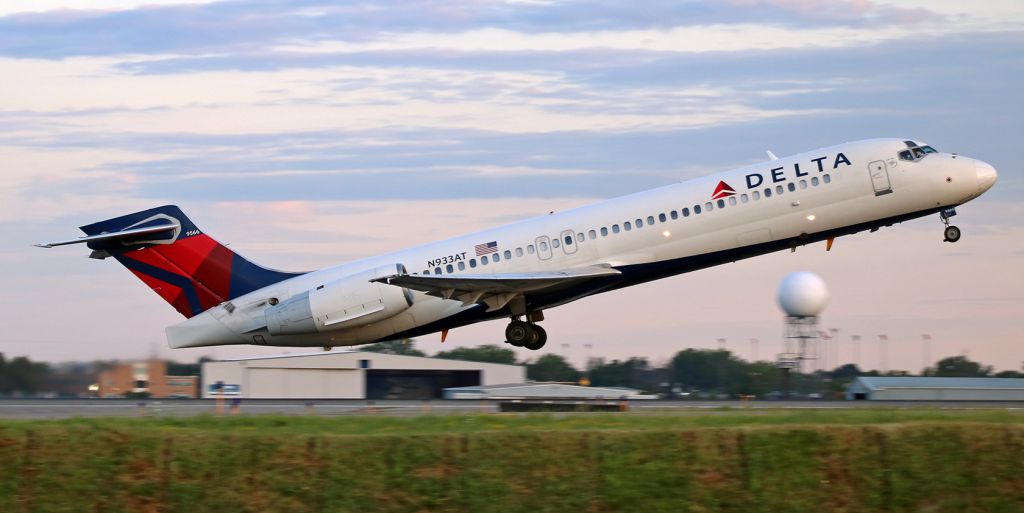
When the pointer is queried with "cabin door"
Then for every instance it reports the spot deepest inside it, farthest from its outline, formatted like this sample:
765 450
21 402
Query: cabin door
880 177
543 244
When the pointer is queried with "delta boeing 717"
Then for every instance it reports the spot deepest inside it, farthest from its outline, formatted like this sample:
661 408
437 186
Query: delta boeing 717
521 270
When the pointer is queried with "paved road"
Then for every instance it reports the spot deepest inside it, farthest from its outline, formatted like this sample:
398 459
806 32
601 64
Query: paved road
65 408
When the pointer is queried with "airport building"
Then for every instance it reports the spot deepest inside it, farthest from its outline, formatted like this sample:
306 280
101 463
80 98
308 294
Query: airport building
147 378
899 388
350 375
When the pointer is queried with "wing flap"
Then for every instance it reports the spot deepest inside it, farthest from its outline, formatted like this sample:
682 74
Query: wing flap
494 290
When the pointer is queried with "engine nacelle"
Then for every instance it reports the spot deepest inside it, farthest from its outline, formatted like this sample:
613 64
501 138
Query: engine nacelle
345 303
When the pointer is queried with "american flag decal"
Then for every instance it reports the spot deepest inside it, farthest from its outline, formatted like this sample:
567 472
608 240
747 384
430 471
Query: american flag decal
487 248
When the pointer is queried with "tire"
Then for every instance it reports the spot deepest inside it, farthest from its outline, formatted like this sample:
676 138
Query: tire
952 233
538 340
518 333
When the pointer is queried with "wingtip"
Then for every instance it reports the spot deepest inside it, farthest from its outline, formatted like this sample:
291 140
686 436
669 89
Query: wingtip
46 246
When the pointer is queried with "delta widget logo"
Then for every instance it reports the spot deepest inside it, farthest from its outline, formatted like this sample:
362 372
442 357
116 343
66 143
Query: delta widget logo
723 191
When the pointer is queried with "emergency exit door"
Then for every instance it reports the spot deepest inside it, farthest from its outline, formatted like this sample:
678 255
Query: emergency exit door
880 177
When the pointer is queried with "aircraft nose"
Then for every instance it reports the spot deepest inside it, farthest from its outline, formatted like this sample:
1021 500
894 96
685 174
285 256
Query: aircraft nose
986 175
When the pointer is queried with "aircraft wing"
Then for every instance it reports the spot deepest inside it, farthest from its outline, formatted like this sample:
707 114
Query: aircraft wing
495 290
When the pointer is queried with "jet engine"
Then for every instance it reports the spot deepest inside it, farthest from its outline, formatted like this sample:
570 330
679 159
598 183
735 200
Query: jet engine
348 302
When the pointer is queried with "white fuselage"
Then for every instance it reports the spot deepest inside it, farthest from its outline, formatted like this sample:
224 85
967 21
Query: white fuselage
826 192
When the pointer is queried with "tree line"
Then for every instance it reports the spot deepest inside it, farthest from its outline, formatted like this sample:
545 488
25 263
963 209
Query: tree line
690 372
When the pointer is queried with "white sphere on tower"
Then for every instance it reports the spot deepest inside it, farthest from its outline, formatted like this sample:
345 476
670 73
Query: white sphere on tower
803 294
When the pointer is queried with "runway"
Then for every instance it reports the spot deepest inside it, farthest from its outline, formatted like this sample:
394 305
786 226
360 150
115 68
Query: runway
68 408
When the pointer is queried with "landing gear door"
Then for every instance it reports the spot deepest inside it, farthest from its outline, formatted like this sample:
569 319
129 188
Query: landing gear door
880 177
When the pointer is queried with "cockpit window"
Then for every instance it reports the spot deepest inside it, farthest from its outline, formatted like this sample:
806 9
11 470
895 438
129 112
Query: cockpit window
915 152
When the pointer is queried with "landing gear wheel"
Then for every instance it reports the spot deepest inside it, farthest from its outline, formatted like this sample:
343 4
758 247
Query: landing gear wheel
518 333
952 233
538 341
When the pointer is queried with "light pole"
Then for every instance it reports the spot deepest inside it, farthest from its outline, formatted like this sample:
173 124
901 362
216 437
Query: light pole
856 350
883 356
753 349
835 346
926 351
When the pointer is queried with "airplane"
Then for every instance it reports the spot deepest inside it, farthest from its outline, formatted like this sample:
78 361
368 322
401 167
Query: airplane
521 270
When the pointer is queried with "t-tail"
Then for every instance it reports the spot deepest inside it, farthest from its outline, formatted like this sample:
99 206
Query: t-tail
165 250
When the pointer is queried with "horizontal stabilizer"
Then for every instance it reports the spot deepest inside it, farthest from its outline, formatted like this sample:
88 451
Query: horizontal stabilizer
123 235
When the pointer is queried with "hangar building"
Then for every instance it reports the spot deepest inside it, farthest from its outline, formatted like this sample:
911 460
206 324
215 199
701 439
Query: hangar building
350 375
899 388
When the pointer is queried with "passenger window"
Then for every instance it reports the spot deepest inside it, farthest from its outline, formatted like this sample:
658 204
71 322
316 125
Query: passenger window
472 263
779 189
826 178
427 271
543 246
721 203
708 207
462 266
615 228
756 195
529 249
814 181
791 187
568 240
744 198
449 268
768 192
555 244
593 234
483 260
437 270
580 237
686 212
519 252
639 223
604 231
627 226
650 219
508 254
696 209
803 184
674 215
732 200
496 257
661 217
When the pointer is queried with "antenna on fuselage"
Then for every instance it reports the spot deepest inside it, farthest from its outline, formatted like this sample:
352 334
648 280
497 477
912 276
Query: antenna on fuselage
771 155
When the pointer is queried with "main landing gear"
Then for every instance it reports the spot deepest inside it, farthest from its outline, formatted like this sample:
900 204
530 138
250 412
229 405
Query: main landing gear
525 334
951 233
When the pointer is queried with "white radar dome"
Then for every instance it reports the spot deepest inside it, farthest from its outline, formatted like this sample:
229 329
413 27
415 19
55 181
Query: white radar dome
803 294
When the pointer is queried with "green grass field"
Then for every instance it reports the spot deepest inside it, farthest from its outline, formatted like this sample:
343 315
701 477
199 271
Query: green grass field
718 460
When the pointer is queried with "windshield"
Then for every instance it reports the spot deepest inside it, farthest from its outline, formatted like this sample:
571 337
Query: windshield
915 152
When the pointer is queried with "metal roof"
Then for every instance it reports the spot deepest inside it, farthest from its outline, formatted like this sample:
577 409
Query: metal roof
351 352
883 382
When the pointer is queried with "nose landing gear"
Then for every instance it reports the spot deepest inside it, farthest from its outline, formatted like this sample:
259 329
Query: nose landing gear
951 233
525 334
